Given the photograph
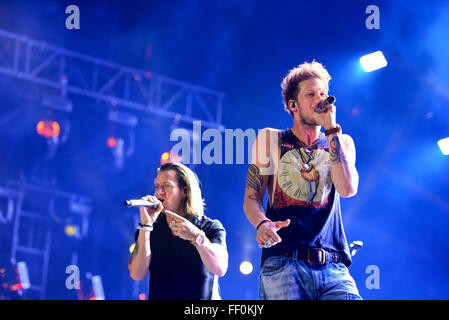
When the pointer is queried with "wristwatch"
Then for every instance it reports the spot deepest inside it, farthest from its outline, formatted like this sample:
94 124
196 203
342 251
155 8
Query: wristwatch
199 239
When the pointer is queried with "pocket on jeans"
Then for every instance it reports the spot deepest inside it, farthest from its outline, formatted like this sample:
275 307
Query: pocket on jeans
273 265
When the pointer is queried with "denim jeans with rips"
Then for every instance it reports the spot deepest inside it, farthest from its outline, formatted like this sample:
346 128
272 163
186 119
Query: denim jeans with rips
282 278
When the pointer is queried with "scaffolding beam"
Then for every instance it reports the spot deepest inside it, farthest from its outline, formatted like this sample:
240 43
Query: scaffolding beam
68 71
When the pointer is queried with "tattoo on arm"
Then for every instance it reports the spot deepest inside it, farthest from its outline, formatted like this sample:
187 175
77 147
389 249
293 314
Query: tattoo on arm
254 180
336 152
133 254
255 198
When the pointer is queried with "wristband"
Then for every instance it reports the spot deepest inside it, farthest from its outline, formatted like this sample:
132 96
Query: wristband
261 223
333 130
145 227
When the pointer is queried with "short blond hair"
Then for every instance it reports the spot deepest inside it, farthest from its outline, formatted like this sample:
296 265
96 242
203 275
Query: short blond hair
188 180
307 70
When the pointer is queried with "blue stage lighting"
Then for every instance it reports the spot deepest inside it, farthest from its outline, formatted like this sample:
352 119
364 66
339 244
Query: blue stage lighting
373 61
444 145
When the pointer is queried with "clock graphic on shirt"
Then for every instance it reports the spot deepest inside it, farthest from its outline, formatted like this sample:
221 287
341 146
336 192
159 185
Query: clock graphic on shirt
305 181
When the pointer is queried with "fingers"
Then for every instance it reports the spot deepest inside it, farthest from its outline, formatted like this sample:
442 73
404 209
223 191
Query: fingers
182 228
153 200
173 216
174 227
149 215
282 224
267 234
330 107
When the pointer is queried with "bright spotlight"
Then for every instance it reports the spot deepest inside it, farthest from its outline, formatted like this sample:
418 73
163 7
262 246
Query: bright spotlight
48 128
373 61
70 230
165 157
23 274
444 146
246 267
142 296
169 157
111 142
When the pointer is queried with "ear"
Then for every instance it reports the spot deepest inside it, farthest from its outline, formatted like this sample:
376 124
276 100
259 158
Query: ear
292 105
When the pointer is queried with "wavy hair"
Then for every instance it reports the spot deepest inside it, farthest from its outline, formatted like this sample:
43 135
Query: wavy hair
307 70
188 180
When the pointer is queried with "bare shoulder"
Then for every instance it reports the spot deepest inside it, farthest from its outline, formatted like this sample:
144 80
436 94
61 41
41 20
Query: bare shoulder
265 150
269 130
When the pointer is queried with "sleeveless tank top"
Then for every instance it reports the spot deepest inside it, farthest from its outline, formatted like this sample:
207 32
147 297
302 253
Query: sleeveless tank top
305 194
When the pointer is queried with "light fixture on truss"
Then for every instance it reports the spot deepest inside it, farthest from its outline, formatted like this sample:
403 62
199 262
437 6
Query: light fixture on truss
121 137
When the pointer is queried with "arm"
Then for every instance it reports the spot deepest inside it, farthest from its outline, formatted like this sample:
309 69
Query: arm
343 172
259 171
342 155
139 262
213 255
256 182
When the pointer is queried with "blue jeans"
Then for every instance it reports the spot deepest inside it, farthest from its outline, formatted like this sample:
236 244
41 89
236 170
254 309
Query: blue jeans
282 278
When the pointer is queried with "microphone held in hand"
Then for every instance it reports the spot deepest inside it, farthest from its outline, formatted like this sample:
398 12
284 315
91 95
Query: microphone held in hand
321 107
141 203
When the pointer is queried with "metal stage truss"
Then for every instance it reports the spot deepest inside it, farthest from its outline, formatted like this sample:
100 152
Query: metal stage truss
29 211
138 90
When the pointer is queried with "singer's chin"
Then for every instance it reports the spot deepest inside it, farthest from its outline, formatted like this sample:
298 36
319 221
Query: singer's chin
310 122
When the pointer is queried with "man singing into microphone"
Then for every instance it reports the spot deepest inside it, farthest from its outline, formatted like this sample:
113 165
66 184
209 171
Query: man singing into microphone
184 250
305 254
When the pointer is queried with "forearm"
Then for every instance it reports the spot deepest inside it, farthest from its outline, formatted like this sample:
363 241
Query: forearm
139 261
346 179
253 208
256 185
214 256
344 174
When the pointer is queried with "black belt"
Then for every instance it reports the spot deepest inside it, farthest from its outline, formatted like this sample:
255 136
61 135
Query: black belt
314 256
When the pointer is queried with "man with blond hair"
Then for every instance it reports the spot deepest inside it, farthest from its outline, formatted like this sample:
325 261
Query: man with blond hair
305 253
184 250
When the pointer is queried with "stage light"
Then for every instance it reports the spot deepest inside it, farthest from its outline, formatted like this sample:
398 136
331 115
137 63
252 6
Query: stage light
355 246
168 157
246 267
23 274
444 146
70 230
142 296
13 280
111 142
165 157
121 140
97 285
373 61
48 128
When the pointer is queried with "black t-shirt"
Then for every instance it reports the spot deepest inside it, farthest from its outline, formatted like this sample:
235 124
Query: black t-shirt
176 269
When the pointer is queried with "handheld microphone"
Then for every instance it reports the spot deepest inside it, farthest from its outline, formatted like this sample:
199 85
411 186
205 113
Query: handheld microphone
140 203
321 107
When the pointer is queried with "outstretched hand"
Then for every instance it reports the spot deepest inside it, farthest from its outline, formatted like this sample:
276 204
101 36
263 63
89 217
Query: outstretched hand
267 234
